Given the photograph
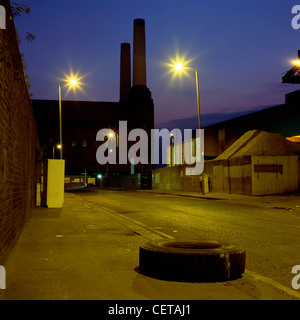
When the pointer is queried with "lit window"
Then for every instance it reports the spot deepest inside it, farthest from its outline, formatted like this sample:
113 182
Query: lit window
84 142
73 142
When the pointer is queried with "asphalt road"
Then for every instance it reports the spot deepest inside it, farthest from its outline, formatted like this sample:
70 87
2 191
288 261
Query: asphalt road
269 234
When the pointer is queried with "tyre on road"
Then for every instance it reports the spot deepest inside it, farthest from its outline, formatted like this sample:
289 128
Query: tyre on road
191 260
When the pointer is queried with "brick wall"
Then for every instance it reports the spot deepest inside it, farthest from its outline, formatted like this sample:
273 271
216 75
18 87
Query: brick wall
18 141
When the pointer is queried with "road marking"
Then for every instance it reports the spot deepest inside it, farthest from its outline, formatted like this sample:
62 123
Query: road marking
274 284
256 276
144 226
161 234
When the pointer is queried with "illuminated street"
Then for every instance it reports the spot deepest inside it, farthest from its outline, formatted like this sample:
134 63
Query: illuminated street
139 160
89 249
266 227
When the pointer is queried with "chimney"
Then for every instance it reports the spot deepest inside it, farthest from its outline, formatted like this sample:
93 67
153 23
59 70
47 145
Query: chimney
139 53
125 71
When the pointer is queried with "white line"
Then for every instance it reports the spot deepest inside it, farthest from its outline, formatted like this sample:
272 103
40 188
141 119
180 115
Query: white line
256 276
274 284
162 234
159 233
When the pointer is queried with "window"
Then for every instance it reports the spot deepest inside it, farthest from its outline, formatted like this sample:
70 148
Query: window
73 142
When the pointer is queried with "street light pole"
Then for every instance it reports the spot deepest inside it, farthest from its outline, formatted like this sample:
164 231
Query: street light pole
60 120
71 82
197 88
198 98
180 67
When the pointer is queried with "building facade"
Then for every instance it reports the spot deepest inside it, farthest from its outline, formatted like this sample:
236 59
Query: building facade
19 140
81 121
283 119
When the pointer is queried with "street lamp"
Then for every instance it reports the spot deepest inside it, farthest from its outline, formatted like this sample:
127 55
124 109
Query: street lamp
73 83
180 67
114 136
58 146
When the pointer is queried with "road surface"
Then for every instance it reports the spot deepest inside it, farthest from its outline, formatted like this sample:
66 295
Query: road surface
269 233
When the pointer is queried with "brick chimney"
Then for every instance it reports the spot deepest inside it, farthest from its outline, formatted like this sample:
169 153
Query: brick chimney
139 53
125 71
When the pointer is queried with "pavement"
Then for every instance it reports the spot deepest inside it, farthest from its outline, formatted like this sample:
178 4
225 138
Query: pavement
86 252
288 201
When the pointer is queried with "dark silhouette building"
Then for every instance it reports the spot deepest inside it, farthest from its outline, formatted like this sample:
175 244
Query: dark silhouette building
81 120
283 119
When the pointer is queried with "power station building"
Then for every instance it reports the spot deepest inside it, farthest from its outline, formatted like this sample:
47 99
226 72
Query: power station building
81 121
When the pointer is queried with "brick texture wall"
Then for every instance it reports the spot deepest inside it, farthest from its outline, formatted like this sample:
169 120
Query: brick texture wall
18 141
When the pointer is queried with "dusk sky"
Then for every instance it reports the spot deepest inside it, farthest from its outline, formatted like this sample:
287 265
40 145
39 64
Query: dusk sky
241 50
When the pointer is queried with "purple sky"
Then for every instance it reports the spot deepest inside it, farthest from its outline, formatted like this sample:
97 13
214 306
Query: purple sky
241 50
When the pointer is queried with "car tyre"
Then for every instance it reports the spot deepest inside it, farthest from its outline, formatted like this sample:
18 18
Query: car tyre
191 260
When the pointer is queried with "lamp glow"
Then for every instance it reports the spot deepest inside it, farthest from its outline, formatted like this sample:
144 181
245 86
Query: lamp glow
181 64
295 62
111 135
73 82
178 66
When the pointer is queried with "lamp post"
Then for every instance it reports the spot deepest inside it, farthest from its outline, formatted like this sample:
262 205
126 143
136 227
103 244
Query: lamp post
60 122
58 146
172 148
71 82
115 136
180 67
